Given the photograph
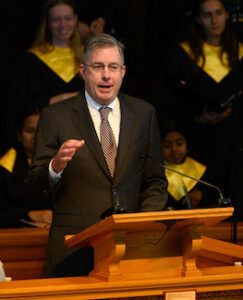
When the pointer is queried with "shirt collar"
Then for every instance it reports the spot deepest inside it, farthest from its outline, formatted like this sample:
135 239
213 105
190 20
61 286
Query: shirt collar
94 106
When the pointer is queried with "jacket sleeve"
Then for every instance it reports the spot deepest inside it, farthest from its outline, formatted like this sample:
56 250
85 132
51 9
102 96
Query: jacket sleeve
154 194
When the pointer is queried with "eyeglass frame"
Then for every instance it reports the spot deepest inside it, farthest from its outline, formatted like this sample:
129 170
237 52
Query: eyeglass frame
96 67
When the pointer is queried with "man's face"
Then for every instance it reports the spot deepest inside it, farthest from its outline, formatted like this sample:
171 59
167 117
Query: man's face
103 74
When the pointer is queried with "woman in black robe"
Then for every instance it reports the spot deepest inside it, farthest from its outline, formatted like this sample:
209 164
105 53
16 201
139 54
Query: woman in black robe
201 84
49 71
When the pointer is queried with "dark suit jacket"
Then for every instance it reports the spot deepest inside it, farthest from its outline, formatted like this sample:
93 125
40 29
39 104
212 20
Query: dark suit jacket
86 188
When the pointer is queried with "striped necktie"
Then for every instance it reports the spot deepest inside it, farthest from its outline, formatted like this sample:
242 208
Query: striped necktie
107 140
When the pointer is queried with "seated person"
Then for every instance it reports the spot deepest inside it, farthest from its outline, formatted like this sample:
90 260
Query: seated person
175 153
20 202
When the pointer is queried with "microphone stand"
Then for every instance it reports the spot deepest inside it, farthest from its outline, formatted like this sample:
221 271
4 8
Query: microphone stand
118 207
222 202
188 201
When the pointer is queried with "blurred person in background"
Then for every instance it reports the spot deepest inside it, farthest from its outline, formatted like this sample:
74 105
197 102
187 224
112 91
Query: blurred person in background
49 71
201 84
22 204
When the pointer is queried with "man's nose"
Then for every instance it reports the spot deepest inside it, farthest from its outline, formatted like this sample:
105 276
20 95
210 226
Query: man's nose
106 72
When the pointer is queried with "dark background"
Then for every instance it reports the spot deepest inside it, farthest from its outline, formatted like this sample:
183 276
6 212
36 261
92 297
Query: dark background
146 27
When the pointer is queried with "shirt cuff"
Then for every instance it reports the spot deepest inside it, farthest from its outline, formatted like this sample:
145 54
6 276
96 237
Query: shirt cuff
55 177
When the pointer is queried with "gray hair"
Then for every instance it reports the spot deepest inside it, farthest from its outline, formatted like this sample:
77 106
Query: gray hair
101 40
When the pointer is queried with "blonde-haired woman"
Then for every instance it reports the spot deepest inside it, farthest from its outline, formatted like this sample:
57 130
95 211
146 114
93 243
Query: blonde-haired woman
49 71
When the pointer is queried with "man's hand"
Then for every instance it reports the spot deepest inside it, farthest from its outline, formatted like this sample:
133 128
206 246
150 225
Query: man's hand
65 154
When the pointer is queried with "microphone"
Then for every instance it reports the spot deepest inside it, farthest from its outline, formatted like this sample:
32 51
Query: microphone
117 207
222 202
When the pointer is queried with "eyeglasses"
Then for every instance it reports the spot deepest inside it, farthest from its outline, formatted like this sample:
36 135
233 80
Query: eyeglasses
98 67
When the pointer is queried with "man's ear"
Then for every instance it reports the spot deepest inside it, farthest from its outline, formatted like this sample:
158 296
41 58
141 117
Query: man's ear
82 70
123 71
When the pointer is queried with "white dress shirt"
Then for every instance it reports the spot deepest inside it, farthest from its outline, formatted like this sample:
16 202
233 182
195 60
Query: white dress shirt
114 116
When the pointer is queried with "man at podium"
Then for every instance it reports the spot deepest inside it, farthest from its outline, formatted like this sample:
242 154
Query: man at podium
99 153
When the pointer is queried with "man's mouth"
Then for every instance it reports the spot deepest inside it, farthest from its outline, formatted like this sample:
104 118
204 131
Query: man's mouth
107 86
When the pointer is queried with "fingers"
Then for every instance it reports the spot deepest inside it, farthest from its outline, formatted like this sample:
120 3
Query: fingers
65 154
69 148
72 145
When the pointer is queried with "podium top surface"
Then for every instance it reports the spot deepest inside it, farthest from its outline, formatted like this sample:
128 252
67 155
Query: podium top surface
147 221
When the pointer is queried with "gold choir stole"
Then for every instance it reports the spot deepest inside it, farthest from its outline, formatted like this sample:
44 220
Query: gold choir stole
59 60
176 181
213 66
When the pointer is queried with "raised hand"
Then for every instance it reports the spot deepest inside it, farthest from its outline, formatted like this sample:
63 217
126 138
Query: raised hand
65 154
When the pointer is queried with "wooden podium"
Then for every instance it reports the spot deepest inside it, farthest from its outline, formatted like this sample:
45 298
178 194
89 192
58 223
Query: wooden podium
147 255
159 245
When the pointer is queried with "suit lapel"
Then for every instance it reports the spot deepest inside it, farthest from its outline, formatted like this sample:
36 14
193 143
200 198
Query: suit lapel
126 128
83 122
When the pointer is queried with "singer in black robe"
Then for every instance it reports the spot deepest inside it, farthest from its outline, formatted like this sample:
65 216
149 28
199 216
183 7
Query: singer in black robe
184 90
185 173
48 71
17 196
180 198
201 83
